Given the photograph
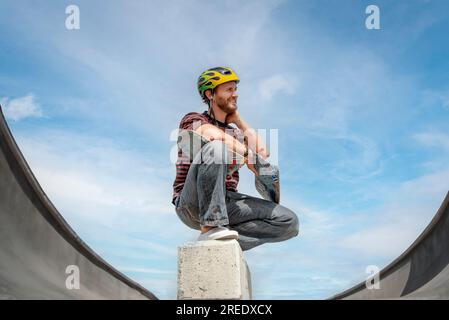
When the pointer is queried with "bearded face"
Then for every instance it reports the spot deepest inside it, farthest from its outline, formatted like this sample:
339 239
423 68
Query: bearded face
226 97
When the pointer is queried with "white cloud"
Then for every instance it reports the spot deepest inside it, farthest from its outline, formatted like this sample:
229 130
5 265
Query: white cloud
382 241
433 139
102 181
388 229
136 74
439 98
358 158
21 108
157 247
279 83
316 224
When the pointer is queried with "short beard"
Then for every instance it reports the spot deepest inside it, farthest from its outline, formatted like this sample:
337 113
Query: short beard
225 107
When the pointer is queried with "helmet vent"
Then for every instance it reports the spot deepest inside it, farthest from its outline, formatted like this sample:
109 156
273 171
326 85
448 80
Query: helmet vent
221 70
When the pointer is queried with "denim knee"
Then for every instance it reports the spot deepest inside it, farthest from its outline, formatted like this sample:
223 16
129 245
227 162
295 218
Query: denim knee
291 222
214 152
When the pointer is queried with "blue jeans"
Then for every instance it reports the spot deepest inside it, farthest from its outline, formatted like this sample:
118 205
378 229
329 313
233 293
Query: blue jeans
204 201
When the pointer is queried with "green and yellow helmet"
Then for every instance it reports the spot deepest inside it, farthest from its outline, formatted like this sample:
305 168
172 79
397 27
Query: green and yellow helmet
213 77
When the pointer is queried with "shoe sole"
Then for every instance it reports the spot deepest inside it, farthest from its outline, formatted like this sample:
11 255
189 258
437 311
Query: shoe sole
228 237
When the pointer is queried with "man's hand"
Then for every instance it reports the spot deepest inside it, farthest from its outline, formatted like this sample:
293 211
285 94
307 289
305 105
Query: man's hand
250 160
253 140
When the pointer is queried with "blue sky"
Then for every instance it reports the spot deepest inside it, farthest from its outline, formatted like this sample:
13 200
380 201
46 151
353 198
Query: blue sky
362 118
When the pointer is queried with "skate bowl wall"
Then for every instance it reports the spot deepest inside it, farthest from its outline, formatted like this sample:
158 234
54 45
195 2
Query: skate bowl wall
421 272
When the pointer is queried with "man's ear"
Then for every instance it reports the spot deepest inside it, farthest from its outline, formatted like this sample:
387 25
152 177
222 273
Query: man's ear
208 94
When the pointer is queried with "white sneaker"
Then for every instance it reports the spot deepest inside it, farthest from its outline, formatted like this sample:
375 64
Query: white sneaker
219 233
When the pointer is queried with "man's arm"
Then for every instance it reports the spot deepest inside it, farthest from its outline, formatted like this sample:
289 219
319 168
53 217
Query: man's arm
255 142
211 132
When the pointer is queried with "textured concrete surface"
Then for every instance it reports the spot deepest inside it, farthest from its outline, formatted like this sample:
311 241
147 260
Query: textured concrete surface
213 270
421 272
37 245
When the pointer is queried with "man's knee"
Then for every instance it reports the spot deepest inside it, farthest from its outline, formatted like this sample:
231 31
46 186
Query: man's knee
214 152
291 222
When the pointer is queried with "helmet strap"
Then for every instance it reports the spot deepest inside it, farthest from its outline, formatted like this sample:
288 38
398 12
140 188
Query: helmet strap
211 110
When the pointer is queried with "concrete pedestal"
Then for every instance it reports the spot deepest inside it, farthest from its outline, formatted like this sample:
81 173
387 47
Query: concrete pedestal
213 269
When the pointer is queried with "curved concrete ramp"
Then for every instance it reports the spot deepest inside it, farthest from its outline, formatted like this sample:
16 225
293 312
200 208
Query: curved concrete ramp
421 272
37 245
